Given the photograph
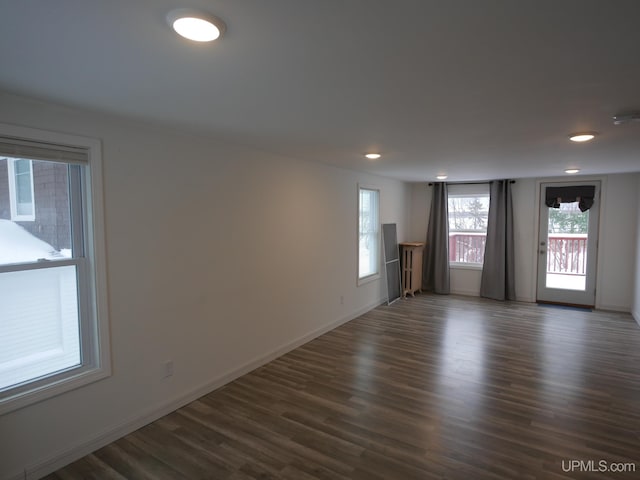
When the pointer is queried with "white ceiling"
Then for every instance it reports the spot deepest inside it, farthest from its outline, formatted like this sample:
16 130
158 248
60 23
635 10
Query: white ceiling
477 89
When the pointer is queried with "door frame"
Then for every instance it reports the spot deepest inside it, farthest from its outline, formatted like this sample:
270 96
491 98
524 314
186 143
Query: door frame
536 228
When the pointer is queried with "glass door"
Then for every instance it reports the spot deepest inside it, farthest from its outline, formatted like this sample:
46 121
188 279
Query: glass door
567 247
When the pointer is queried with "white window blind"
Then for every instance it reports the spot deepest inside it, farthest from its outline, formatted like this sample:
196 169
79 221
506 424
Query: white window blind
25 148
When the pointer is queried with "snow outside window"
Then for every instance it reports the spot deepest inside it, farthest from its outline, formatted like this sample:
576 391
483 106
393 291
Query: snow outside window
52 334
368 233
468 207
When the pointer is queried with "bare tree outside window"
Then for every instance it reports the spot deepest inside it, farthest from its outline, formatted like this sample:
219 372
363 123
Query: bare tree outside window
468 216
568 219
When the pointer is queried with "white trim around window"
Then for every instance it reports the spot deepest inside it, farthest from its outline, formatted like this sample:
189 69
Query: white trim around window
468 240
368 235
86 299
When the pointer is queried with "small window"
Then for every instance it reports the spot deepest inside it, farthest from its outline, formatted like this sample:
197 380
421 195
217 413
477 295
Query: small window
468 215
368 233
22 205
53 330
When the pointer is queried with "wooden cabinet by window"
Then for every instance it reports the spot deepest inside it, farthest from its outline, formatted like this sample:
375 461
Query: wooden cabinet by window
411 267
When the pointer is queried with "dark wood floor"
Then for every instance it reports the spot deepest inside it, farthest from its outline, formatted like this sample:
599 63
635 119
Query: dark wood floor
435 387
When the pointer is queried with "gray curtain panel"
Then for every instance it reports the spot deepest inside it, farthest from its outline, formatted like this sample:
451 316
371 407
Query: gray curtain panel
498 278
435 274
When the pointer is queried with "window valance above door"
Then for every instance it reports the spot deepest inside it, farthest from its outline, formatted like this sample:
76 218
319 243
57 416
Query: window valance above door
583 194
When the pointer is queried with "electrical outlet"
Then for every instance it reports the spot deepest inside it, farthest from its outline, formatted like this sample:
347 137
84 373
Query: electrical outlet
167 369
341 299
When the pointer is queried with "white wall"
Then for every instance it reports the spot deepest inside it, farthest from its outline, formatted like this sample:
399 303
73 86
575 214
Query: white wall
636 293
219 257
617 240
419 211
525 231
616 255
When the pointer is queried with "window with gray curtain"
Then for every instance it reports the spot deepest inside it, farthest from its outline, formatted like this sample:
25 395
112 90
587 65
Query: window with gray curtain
468 215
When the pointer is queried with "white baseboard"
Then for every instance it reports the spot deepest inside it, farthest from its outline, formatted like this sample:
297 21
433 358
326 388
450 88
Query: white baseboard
64 457
613 308
466 293
525 299
474 293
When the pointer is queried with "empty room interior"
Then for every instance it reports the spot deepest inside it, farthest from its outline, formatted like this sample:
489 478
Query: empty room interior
370 240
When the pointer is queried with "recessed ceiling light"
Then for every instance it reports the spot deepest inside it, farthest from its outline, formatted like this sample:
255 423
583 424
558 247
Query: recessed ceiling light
373 156
582 137
572 170
442 177
195 25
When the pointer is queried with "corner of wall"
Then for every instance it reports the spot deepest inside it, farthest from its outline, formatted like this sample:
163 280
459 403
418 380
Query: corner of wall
636 291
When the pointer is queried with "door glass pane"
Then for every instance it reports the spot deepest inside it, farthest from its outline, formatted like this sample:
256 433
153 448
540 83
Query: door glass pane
567 247
39 332
48 234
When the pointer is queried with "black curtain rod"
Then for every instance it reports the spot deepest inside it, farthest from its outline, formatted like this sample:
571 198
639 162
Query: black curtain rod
470 183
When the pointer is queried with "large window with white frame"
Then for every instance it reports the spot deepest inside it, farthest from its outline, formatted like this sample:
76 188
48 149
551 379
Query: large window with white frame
53 318
368 233
468 206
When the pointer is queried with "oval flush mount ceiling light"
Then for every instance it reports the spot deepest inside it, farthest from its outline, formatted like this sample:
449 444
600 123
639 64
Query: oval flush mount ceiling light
582 136
572 170
442 177
195 25
372 156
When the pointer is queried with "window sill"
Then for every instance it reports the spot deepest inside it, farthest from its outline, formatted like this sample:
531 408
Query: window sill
52 389
466 266
368 279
